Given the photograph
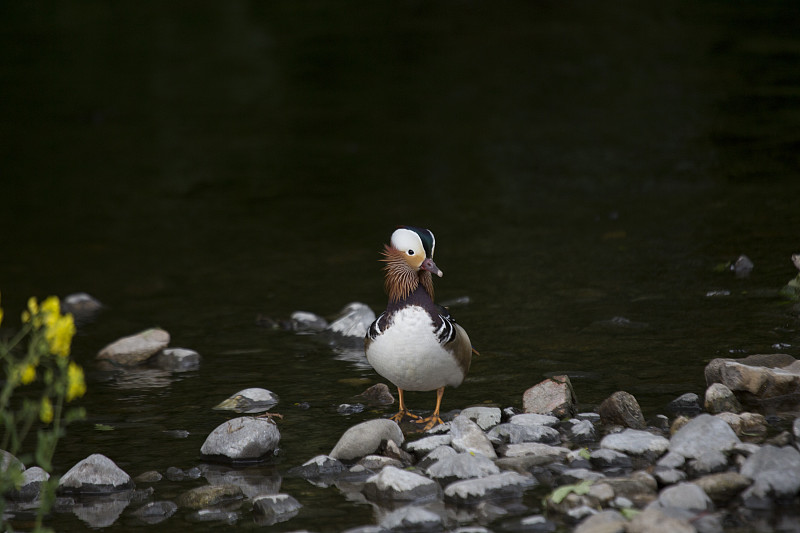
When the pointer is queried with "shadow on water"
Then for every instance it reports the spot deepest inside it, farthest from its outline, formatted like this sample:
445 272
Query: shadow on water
195 165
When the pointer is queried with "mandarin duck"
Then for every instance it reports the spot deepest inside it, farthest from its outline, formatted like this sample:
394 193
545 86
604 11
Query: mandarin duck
415 343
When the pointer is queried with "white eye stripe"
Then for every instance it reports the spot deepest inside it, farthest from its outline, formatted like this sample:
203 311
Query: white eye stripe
405 239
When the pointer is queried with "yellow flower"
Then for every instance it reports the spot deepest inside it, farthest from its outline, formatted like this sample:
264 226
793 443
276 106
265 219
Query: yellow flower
1 315
28 374
76 386
51 309
32 313
46 410
59 335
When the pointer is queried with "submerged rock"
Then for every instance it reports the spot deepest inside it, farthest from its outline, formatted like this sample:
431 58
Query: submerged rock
366 438
274 508
135 349
155 512
97 474
209 496
305 322
178 359
243 438
353 321
411 518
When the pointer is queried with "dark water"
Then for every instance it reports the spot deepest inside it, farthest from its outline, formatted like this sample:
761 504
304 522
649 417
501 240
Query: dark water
195 164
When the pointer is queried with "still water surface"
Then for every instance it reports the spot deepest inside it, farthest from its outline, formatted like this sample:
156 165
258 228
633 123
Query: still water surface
195 165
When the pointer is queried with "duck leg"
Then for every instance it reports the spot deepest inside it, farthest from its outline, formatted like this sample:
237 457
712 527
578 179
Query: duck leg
434 419
403 412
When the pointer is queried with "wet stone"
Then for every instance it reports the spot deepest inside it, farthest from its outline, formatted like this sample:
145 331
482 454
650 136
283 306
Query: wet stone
31 487
243 438
603 522
306 322
580 431
209 496
318 467
378 394
436 454
151 476
621 408
686 496
668 476
95 474
249 401
468 437
722 487
350 408
510 433
636 442
178 359
702 434
503 485
531 524
485 417
461 466
273 508
135 349
708 462
553 396
605 458
654 520
535 449
775 473
396 484
426 445
720 398
412 518
686 404
376 463
366 438
353 320
155 512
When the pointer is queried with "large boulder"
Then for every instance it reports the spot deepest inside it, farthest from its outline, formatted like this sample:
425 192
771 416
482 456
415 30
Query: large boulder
97 474
771 379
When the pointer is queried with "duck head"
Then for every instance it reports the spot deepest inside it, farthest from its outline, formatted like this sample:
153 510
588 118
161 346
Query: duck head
409 262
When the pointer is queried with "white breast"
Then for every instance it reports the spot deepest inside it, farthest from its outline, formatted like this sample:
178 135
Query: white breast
409 355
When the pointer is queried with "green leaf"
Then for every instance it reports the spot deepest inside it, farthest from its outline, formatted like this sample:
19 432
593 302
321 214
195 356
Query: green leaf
103 427
585 453
562 492
629 512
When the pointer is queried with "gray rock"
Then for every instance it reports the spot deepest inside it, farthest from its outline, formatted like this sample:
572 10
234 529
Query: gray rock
425 445
178 359
155 512
605 458
580 431
742 267
7 459
412 518
636 442
502 485
701 434
243 438
251 482
305 322
468 437
720 398
95 474
151 476
485 417
366 438
209 496
274 508
82 306
350 408
252 400
671 460
708 462
436 455
378 394
686 496
761 377
775 472
686 404
745 424
353 320
31 487
796 429
395 484
553 396
221 516
621 408
603 522
534 419
640 488
135 349
654 520
461 466
722 487
535 449
376 463
528 524
668 476
509 433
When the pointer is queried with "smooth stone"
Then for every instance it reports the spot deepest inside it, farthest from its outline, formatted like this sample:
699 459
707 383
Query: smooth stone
461 466
95 474
252 400
376 463
720 398
745 424
604 458
426 445
317 467
151 476
621 408
668 476
393 451
366 438
686 404
155 512
654 520
242 438
306 322
209 496
686 496
640 488
31 487
81 305
708 462
796 429
636 442
535 449
8 460
468 437
775 472
378 394
608 521
701 434
485 417
502 485
524 464
436 454
534 419
580 431
178 359
353 320
274 508
722 487
395 484
135 349
553 396
510 433
412 518
671 460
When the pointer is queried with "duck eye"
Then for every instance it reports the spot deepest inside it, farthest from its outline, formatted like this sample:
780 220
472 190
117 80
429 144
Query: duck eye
411 252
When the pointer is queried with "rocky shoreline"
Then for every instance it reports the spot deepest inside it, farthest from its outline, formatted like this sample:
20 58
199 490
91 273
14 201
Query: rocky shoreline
726 462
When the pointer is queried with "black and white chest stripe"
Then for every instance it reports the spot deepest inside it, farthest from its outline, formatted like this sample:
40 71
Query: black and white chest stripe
443 324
